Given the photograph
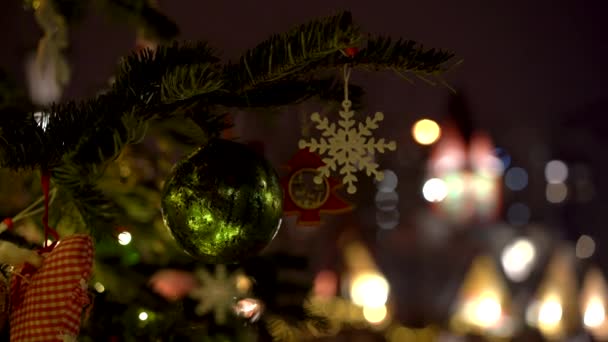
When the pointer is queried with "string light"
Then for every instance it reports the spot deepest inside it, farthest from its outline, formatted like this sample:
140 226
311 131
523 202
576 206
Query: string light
124 238
99 287
143 316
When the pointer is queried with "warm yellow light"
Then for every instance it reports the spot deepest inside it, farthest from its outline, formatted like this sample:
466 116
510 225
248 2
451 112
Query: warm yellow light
243 283
426 131
124 238
99 287
143 316
375 315
549 313
369 290
595 313
487 312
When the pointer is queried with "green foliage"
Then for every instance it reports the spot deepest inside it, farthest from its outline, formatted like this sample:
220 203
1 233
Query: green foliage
290 54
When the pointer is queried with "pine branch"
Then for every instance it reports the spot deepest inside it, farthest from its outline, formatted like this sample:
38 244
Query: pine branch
291 53
382 53
97 210
142 76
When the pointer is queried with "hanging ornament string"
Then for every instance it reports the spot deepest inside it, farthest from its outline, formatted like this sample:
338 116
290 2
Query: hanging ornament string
346 104
45 181
8 223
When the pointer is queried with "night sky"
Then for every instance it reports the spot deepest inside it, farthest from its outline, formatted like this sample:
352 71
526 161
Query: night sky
534 76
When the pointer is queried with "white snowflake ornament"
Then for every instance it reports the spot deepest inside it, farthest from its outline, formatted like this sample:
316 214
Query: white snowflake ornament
218 293
349 146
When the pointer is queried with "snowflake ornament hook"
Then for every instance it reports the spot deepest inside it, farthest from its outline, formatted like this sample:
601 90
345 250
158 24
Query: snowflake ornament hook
349 146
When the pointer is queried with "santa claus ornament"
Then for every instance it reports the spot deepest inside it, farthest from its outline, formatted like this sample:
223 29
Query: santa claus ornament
304 197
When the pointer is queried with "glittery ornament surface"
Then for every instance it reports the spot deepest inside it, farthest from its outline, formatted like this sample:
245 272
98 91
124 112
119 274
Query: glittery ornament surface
223 203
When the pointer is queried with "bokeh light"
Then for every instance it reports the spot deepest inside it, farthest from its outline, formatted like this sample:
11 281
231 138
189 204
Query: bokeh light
249 308
143 316
556 171
585 247
435 190
426 131
386 201
518 259
124 238
369 290
556 192
485 311
99 287
387 219
375 315
389 182
516 178
549 313
518 214
595 313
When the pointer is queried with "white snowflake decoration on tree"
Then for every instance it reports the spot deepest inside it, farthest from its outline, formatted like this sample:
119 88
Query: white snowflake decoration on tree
218 293
349 146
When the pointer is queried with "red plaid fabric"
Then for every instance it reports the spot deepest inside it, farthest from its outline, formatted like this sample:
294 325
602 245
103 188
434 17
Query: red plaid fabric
48 304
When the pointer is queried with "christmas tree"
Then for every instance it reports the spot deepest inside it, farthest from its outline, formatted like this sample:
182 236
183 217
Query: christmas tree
158 138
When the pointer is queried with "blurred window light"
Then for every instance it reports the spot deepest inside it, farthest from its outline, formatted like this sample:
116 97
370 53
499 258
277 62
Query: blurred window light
585 247
516 178
386 201
518 259
389 182
426 132
435 190
518 214
556 192
375 315
387 219
556 171
595 313
369 290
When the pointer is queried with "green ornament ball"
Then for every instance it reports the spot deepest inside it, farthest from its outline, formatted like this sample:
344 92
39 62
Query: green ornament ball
223 204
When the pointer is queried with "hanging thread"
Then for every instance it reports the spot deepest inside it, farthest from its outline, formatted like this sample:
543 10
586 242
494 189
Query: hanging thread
346 104
45 182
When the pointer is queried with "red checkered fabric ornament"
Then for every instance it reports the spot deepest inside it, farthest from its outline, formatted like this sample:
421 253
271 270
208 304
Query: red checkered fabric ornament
47 304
